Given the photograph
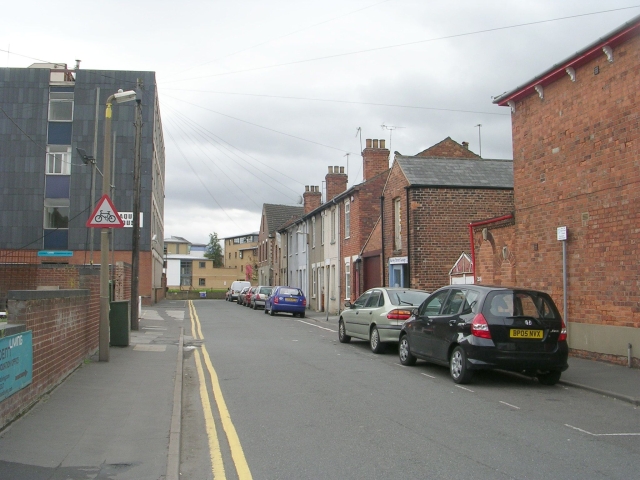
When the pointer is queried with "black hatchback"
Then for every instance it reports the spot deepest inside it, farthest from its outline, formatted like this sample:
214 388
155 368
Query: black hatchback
473 327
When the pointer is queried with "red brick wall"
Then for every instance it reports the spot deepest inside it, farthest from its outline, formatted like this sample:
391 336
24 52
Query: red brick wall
492 268
336 182
448 148
64 326
576 165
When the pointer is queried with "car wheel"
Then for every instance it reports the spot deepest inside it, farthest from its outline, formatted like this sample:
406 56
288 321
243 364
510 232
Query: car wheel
253 306
302 315
458 366
406 358
272 312
265 310
342 333
549 378
374 341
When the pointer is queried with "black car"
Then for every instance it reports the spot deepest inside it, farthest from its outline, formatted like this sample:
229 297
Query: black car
473 327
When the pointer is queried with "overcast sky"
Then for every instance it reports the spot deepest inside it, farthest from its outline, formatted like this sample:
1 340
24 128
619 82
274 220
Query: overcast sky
259 98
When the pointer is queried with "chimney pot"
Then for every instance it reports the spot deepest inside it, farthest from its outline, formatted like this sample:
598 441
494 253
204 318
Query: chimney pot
465 145
341 169
382 143
306 188
330 169
336 169
368 143
375 144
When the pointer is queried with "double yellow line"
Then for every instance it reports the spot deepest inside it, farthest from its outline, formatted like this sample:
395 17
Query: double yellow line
217 465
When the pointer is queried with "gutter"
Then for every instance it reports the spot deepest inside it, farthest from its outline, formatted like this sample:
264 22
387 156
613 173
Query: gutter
479 224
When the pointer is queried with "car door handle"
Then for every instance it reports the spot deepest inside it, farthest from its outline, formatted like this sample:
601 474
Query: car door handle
453 323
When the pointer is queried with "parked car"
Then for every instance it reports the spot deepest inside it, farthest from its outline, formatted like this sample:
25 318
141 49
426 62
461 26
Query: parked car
377 315
249 295
243 295
235 289
260 297
475 327
286 299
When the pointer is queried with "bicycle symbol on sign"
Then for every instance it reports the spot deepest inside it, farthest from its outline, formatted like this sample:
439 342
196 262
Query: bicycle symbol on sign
105 217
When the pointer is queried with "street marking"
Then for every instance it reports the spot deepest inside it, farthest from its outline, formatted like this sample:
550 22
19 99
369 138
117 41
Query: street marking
217 465
465 388
427 375
237 454
317 326
603 434
150 348
509 405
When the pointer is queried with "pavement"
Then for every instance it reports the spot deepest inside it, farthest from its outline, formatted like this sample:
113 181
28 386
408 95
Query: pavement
121 419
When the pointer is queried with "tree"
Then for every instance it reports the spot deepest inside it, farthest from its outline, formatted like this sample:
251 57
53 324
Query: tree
214 250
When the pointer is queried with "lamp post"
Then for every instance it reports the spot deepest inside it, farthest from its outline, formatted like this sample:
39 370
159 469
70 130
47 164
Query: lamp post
103 350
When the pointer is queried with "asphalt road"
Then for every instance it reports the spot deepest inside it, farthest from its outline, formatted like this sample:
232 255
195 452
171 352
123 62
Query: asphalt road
304 406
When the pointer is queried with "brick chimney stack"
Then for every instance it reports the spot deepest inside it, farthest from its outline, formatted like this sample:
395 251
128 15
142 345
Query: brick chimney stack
375 159
312 198
336 181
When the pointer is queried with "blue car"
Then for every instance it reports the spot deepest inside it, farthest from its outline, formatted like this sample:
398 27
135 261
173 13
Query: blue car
287 300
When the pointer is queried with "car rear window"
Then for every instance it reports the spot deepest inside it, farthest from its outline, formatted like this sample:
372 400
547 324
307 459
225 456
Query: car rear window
407 298
521 303
265 291
290 291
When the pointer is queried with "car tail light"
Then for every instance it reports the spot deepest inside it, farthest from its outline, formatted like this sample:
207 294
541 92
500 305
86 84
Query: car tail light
399 314
275 300
304 302
480 327
563 333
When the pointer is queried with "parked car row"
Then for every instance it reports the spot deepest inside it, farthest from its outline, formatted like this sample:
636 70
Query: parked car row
280 299
254 297
464 327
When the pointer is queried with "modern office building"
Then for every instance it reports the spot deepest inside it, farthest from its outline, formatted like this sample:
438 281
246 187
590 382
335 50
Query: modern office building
47 111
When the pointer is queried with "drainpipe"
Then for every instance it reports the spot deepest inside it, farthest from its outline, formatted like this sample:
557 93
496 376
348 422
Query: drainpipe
382 243
479 224
408 240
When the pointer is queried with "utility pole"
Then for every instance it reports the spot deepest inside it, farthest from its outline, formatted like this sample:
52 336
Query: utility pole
93 169
135 241
479 138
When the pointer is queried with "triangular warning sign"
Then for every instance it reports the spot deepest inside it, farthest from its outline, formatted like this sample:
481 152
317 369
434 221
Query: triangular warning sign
105 215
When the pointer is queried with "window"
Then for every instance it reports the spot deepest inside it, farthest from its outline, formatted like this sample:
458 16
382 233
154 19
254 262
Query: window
397 221
333 225
201 282
313 233
58 159
229 255
375 300
56 213
240 255
347 279
202 264
61 106
432 306
347 219
235 255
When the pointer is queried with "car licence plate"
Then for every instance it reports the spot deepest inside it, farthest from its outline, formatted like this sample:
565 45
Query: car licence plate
525 333
291 300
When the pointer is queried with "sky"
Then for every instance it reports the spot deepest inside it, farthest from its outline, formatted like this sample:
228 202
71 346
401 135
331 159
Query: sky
258 98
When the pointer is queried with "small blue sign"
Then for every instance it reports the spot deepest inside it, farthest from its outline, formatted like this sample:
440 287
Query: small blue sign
55 253
16 363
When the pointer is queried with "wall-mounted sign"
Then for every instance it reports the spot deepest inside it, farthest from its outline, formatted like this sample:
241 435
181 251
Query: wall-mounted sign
562 233
16 363
55 253
127 218
398 260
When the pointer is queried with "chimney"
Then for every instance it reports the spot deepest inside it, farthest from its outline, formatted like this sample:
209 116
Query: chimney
336 181
375 159
465 145
312 198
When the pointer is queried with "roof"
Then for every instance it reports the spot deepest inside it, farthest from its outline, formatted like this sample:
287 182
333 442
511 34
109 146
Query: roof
240 236
173 239
457 172
277 215
588 53
448 148
184 256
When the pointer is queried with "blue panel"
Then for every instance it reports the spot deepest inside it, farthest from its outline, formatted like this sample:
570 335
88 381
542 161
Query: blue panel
16 363
56 239
57 186
59 133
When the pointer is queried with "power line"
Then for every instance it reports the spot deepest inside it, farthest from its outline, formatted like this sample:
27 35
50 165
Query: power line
387 47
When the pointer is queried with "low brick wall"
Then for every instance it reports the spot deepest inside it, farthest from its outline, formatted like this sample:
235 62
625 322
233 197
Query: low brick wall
64 325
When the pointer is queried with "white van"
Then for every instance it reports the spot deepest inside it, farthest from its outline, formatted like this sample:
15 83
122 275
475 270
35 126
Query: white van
235 288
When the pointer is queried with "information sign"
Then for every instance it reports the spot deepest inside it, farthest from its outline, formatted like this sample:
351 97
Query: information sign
16 363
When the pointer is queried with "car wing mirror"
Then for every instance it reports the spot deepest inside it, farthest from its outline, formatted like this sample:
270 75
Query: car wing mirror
347 304
414 312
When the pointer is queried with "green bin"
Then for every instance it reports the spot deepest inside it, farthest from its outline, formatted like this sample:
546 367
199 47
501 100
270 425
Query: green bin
120 324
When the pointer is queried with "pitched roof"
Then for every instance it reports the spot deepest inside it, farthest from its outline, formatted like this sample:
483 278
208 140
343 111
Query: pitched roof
448 148
174 239
456 172
277 215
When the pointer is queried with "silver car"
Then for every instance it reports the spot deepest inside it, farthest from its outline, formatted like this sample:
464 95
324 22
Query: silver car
262 293
378 315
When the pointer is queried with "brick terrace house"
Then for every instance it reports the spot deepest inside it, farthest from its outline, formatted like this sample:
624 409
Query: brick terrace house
359 209
576 165
273 216
429 201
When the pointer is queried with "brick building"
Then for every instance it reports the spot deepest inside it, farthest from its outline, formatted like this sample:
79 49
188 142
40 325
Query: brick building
576 157
429 200
273 216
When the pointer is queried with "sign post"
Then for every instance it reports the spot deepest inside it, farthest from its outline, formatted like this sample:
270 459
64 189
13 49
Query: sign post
562 237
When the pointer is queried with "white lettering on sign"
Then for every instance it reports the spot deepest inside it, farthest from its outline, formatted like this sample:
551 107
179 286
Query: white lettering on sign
127 218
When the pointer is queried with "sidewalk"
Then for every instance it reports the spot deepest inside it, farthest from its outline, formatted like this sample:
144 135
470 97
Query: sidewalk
111 419
606 379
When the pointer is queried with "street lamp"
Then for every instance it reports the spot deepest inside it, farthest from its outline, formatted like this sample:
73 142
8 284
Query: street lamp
103 350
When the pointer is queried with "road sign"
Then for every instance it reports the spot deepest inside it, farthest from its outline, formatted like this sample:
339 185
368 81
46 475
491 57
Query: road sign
127 218
105 215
